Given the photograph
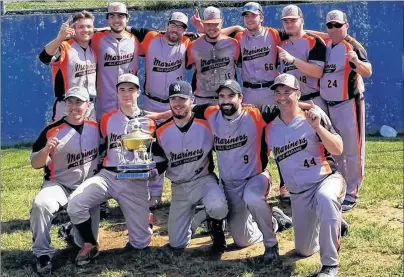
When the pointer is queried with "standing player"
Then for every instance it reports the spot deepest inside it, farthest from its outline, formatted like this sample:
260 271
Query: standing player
242 159
189 165
258 56
342 88
73 61
131 195
68 151
117 52
302 55
303 143
213 57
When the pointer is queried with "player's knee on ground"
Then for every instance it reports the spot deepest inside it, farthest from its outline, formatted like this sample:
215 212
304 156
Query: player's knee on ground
217 209
178 241
304 251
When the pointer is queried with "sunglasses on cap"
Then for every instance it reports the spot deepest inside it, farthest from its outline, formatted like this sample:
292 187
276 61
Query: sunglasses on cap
331 25
250 8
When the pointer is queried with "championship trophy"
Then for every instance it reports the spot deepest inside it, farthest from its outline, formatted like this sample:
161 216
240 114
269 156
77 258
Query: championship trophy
135 160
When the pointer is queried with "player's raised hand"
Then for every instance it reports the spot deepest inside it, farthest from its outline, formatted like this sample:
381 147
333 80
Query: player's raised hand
52 142
285 56
313 116
196 21
66 30
352 56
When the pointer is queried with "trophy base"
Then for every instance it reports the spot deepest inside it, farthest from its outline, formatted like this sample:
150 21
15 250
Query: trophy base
133 175
137 167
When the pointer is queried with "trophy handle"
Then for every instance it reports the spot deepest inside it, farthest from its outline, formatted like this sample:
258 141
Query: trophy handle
121 153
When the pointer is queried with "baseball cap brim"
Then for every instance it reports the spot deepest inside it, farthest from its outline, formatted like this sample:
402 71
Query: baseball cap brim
291 16
185 96
273 87
228 87
337 21
128 83
216 20
82 98
179 22
254 12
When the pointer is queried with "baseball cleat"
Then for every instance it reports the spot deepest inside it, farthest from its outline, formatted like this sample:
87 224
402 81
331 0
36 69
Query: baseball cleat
284 221
88 253
348 205
271 253
216 228
43 265
328 271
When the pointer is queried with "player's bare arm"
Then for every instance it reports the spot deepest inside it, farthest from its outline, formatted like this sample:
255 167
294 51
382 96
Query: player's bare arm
196 21
66 32
309 69
363 68
332 142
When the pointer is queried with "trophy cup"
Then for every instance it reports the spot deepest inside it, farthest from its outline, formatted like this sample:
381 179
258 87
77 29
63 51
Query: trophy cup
135 161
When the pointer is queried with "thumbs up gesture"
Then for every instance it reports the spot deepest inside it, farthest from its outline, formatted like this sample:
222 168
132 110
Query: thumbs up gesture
66 30
52 142
196 21
285 56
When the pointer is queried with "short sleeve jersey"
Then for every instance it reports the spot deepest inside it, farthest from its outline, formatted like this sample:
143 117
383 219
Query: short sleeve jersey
308 48
340 80
75 158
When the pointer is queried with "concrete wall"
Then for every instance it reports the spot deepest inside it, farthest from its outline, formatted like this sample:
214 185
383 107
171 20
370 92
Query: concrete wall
26 85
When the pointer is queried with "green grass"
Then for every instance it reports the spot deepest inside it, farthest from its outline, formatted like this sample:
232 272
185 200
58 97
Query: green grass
373 248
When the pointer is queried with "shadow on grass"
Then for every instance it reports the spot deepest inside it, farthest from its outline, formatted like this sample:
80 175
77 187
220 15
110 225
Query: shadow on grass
12 226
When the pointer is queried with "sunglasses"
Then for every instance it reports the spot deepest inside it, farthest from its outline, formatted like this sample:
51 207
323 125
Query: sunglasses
250 8
331 25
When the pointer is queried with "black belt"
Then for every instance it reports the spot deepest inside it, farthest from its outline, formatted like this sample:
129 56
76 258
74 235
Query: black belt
157 99
258 85
207 97
310 96
334 103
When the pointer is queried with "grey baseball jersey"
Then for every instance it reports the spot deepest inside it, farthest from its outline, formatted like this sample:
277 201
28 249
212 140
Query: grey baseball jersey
257 58
69 164
241 156
72 66
189 165
115 57
214 63
342 87
317 190
73 160
131 195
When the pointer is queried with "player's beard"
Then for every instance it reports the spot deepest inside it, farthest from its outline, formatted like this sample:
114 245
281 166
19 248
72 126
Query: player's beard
228 112
213 38
173 40
182 115
117 31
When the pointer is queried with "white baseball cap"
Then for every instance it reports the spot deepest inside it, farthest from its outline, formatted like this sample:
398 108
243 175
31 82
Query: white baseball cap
287 80
117 7
180 17
212 15
336 16
128 78
291 11
78 92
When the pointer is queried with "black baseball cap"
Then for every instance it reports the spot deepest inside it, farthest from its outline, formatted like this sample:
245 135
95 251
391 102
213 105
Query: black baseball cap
180 89
231 85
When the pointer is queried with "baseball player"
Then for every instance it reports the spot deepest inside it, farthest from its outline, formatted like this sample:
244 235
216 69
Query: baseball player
302 55
132 195
68 151
213 57
188 163
342 88
117 52
73 62
242 159
302 143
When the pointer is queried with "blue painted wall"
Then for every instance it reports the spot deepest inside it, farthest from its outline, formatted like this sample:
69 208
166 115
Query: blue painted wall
26 93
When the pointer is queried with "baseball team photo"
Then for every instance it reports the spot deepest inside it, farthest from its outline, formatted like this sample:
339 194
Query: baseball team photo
202 138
